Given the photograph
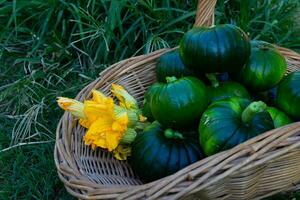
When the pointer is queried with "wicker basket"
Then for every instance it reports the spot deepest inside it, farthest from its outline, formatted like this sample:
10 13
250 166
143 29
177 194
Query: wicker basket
260 167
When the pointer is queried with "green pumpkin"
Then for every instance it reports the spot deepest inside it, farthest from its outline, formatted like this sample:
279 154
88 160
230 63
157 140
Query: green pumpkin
159 152
288 95
180 102
170 64
279 118
229 122
226 89
215 49
146 109
264 69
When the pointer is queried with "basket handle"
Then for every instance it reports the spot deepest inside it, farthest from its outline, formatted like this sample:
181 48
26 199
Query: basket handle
205 13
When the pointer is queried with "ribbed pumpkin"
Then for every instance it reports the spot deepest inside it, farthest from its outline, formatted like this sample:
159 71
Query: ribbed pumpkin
158 152
279 118
222 90
146 110
288 95
265 67
170 64
215 49
229 122
180 102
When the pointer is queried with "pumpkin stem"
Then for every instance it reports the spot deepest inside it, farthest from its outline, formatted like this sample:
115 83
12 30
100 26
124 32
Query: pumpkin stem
169 133
213 79
170 79
252 109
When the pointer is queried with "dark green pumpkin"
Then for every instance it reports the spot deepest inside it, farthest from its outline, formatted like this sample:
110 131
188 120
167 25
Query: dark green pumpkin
215 49
288 95
180 102
146 110
279 117
229 122
222 90
159 152
265 67
170 64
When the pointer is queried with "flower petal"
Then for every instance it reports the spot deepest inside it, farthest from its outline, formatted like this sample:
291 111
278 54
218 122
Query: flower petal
102 134
131 113
126 100
97 132
99 97
94 110
71 105
85 123
121 121
113 140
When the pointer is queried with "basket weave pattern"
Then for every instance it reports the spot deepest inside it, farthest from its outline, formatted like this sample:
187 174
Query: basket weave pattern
260 167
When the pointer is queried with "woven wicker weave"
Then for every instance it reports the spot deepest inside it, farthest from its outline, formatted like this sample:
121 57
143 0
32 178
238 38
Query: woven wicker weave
260 167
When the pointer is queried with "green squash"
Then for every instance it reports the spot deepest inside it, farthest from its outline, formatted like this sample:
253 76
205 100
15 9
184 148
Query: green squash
288 95
159 152
146 109
229 122
279 118
215 49
170 64
264 69
180 102
225 89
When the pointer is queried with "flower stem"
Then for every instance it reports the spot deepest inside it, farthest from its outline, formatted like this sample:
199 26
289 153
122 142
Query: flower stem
169 133
141 125
213 79
252 109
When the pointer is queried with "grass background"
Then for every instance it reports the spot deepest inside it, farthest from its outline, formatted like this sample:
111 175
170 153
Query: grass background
51 48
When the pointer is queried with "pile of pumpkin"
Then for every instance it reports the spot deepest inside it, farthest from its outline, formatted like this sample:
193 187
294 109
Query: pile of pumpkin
216 91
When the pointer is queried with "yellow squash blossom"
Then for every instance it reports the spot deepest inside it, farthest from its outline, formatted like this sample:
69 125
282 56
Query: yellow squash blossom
108 128
126 100
108 124
75 108
71 105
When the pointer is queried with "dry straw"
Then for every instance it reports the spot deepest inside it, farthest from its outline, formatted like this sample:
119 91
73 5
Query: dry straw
260 167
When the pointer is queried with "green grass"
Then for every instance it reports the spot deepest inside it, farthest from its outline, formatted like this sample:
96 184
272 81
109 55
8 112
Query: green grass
54 48
29 173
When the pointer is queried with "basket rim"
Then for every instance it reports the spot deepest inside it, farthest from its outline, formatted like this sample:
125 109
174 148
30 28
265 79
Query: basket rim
248 145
